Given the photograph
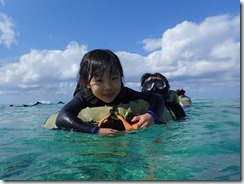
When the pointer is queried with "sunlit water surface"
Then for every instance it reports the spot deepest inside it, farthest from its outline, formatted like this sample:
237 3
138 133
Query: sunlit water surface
206 147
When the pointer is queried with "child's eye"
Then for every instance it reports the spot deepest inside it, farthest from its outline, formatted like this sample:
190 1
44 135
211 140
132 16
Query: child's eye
115 78
98 80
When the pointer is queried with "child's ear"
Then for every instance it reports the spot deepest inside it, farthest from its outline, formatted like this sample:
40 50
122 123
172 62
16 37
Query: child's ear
83 83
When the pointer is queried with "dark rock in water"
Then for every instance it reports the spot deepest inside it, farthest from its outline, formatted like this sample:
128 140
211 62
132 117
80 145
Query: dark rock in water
25 105
37 103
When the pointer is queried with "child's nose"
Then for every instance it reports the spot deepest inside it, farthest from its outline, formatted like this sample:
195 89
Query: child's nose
107 85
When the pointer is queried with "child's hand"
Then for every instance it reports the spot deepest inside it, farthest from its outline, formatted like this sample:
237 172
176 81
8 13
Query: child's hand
144 120
105 131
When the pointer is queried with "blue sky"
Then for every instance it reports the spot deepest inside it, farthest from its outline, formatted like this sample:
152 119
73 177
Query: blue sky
194 43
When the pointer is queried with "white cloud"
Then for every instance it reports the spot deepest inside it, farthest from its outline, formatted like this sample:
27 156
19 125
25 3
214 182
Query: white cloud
151 44
133 65
44 69
199 49
7 32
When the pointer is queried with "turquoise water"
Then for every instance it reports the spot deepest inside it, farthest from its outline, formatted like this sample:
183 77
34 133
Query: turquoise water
206 147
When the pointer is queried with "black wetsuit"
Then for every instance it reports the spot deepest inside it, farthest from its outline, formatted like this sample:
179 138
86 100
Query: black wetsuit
68 120
177 109
170 104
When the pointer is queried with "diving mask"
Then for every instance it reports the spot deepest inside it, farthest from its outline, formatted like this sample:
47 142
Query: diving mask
156 86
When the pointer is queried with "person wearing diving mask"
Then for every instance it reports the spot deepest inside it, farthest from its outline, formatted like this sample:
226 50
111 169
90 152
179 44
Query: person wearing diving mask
157 83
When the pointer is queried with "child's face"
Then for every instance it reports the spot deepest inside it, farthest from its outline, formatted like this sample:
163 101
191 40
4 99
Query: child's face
106 87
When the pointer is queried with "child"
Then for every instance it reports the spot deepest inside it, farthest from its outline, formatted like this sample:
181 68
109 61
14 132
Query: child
100 84
157 83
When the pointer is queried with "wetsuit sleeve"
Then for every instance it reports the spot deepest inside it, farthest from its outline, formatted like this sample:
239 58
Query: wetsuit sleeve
67 118
156 101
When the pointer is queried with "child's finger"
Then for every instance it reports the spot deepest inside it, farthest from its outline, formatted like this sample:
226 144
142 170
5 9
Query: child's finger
135 119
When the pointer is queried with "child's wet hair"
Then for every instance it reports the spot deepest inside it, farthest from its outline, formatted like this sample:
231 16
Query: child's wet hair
96 62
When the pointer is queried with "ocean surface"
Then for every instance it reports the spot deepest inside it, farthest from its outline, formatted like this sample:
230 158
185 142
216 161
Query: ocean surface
206 147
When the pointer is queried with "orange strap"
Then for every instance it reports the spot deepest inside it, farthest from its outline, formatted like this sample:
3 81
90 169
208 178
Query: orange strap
102 120
127 125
